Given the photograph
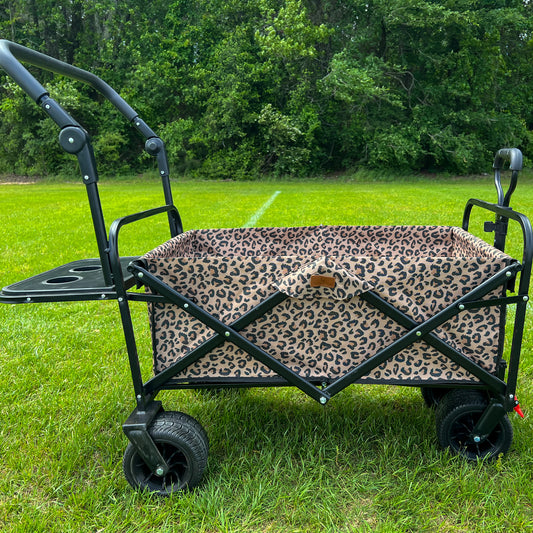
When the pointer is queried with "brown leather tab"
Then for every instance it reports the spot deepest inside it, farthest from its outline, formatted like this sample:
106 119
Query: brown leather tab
322 281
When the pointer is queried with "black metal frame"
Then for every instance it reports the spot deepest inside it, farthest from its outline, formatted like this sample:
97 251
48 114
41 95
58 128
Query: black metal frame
112 277
75 140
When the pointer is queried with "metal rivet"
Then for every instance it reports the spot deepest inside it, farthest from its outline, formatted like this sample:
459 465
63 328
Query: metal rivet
102 296
120 299
419 334
185 306
477 439
461 307
137 123
227 334
323 400
508 274
139 397
526 298
159 471
28 299
162 173
140 274
47 106
85 178
71 140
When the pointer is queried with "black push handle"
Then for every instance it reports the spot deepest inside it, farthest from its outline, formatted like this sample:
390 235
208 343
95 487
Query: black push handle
11 54
514 156
75 140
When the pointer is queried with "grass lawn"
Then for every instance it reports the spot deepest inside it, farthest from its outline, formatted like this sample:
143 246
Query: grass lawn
368 461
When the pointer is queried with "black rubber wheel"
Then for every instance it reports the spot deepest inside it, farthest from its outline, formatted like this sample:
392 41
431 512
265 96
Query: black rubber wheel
183 443
433 395
456 416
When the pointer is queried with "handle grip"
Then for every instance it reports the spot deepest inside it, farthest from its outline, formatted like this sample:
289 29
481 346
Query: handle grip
513 155
11 54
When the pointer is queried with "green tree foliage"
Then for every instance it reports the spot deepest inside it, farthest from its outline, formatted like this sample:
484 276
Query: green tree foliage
239 88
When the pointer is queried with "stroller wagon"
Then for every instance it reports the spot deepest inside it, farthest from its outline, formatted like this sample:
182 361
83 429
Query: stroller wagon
318 308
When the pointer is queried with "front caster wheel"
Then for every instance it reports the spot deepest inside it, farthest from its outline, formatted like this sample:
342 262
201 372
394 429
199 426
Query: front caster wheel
183 443
457 414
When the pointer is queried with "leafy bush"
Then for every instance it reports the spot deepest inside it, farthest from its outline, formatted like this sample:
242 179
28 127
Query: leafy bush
244 87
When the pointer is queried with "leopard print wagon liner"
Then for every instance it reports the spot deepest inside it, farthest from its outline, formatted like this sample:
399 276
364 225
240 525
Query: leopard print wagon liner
325 329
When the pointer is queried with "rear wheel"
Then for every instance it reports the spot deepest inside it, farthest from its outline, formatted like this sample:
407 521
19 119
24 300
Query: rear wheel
456 416
183 443
433 395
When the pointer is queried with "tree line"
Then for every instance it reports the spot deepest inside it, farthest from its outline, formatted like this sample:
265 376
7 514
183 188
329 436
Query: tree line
243 88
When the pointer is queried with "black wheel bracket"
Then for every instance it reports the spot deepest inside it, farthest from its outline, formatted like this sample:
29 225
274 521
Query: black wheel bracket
490 418
136 429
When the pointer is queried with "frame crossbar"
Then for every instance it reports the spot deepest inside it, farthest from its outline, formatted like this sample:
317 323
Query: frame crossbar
229 333
417 332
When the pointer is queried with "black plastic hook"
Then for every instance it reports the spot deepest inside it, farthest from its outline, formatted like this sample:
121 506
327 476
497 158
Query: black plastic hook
514 156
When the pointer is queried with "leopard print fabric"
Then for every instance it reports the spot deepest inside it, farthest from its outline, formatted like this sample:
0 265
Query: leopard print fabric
323 332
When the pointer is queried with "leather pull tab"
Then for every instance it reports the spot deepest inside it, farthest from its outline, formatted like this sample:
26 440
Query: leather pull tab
322 281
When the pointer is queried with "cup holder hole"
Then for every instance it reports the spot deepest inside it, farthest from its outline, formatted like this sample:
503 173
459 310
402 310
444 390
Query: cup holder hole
90 268
62 279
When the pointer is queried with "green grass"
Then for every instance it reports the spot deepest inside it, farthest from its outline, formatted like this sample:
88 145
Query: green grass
368 461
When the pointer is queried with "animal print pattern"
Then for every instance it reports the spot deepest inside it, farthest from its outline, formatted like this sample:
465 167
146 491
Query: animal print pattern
323 332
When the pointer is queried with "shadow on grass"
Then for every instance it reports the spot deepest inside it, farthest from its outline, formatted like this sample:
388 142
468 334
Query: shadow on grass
364 427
